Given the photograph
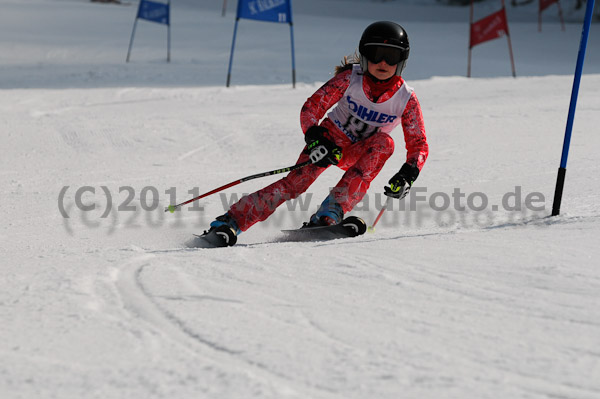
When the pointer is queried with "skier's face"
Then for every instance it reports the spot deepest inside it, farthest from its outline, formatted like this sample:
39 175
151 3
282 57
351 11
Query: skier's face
382 70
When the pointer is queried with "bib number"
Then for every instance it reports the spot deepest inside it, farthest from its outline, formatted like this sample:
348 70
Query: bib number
358 128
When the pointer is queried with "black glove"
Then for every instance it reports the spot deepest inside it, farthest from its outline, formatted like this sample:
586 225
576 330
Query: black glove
321 151
402 181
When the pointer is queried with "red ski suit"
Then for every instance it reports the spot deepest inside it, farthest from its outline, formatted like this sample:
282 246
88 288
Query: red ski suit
361 160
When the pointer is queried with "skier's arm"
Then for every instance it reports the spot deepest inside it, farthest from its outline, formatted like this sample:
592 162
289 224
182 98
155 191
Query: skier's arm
417 148
327 96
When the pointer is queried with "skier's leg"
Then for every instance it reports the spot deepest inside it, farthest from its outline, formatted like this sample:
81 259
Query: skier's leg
364 162
258 206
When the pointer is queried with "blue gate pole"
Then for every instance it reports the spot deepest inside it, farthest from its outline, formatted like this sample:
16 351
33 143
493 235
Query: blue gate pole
293 57
133 32
562 170
231 55
169 32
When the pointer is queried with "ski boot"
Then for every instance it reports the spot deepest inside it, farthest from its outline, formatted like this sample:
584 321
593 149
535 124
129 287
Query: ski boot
223 232
329 213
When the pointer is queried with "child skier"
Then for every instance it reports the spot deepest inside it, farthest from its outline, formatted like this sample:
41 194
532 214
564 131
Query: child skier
370 99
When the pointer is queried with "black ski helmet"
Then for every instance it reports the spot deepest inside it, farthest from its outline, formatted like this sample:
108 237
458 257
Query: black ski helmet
384 40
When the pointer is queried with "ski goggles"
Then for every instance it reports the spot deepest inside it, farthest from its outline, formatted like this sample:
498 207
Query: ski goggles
392 55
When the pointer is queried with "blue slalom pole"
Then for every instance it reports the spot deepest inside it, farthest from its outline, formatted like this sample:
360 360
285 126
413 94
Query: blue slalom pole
231 55
169 32
562 170
133 32
293 57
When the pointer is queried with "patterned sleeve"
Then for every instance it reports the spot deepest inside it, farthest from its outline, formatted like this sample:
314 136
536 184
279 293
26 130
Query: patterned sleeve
327 96
417 148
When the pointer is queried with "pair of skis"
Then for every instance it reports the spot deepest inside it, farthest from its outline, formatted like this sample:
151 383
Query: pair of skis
224 236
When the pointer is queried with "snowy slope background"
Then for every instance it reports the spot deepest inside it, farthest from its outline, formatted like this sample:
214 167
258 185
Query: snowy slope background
495 303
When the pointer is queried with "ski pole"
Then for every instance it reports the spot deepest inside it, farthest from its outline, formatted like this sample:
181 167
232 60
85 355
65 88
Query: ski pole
172 208
387 202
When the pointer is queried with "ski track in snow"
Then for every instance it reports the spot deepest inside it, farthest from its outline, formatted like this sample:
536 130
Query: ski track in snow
141 303
479 298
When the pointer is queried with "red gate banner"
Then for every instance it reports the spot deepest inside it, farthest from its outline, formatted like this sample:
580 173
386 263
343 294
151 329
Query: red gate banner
489 28
546 3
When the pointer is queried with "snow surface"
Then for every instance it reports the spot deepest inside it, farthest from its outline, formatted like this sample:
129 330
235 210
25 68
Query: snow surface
435 304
